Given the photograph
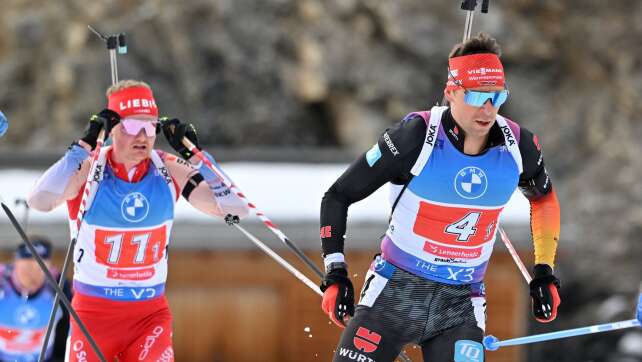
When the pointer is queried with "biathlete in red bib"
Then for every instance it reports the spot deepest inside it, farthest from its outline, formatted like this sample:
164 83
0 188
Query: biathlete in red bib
452 170
122 246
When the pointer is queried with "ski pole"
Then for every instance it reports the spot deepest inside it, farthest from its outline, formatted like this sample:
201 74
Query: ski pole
515 256
93 178
491 342
52 282
280 260
266 221
469 6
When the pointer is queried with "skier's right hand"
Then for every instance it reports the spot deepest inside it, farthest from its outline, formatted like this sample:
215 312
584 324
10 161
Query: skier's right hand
338 296
105 119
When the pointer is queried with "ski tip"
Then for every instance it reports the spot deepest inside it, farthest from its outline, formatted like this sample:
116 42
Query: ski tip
490 343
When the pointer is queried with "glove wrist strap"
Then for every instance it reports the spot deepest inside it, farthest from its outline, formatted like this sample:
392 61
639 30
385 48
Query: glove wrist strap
336 265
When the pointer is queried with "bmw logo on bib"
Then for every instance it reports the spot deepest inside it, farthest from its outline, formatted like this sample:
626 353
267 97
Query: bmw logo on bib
379 263
134 207
471 182
26 314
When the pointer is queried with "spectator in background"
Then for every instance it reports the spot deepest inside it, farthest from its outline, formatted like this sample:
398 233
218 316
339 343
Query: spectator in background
26 301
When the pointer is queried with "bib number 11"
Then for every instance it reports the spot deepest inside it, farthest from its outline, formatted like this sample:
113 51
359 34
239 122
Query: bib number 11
465 227
127 249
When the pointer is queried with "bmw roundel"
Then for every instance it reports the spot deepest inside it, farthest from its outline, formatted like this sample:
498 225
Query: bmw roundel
134 207
379 264
471 182
26 314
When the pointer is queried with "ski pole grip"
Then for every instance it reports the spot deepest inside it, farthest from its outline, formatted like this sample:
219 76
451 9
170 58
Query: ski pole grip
112 42
484 8
101 136
187 143
469 5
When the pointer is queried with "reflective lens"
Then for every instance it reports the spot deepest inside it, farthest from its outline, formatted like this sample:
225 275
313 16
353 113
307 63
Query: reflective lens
477 99
133 126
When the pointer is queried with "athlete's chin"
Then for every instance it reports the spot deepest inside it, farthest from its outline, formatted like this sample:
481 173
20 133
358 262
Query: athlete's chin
141 154
481 126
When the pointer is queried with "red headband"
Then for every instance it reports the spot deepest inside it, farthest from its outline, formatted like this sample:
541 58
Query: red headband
132 101
475 70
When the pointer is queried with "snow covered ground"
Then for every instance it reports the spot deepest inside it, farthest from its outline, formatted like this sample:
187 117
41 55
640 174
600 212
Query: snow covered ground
283 191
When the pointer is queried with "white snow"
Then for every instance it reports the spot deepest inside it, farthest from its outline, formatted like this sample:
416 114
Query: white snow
610 308
631 343
283 191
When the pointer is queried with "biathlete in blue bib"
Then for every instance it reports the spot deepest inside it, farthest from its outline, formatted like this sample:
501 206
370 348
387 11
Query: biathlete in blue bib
120 259
452 170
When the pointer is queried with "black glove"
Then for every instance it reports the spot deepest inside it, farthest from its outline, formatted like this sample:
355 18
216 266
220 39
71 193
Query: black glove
106 120
232 219
174 130
544 293
338 295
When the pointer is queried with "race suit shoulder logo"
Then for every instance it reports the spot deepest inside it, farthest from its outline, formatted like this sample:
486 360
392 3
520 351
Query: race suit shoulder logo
134 207
471 182
373 155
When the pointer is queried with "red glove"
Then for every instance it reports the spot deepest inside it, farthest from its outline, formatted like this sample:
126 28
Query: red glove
338 296
544 293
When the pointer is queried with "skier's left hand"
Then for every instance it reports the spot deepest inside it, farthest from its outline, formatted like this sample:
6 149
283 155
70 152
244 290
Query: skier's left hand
174 130
543 290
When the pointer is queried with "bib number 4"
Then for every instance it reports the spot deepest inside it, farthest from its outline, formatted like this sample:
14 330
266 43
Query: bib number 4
464 228
455 226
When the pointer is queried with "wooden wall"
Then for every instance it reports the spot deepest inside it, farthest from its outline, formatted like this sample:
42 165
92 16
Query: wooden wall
242 306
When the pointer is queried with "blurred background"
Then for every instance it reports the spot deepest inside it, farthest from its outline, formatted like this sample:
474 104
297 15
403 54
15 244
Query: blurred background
285 93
